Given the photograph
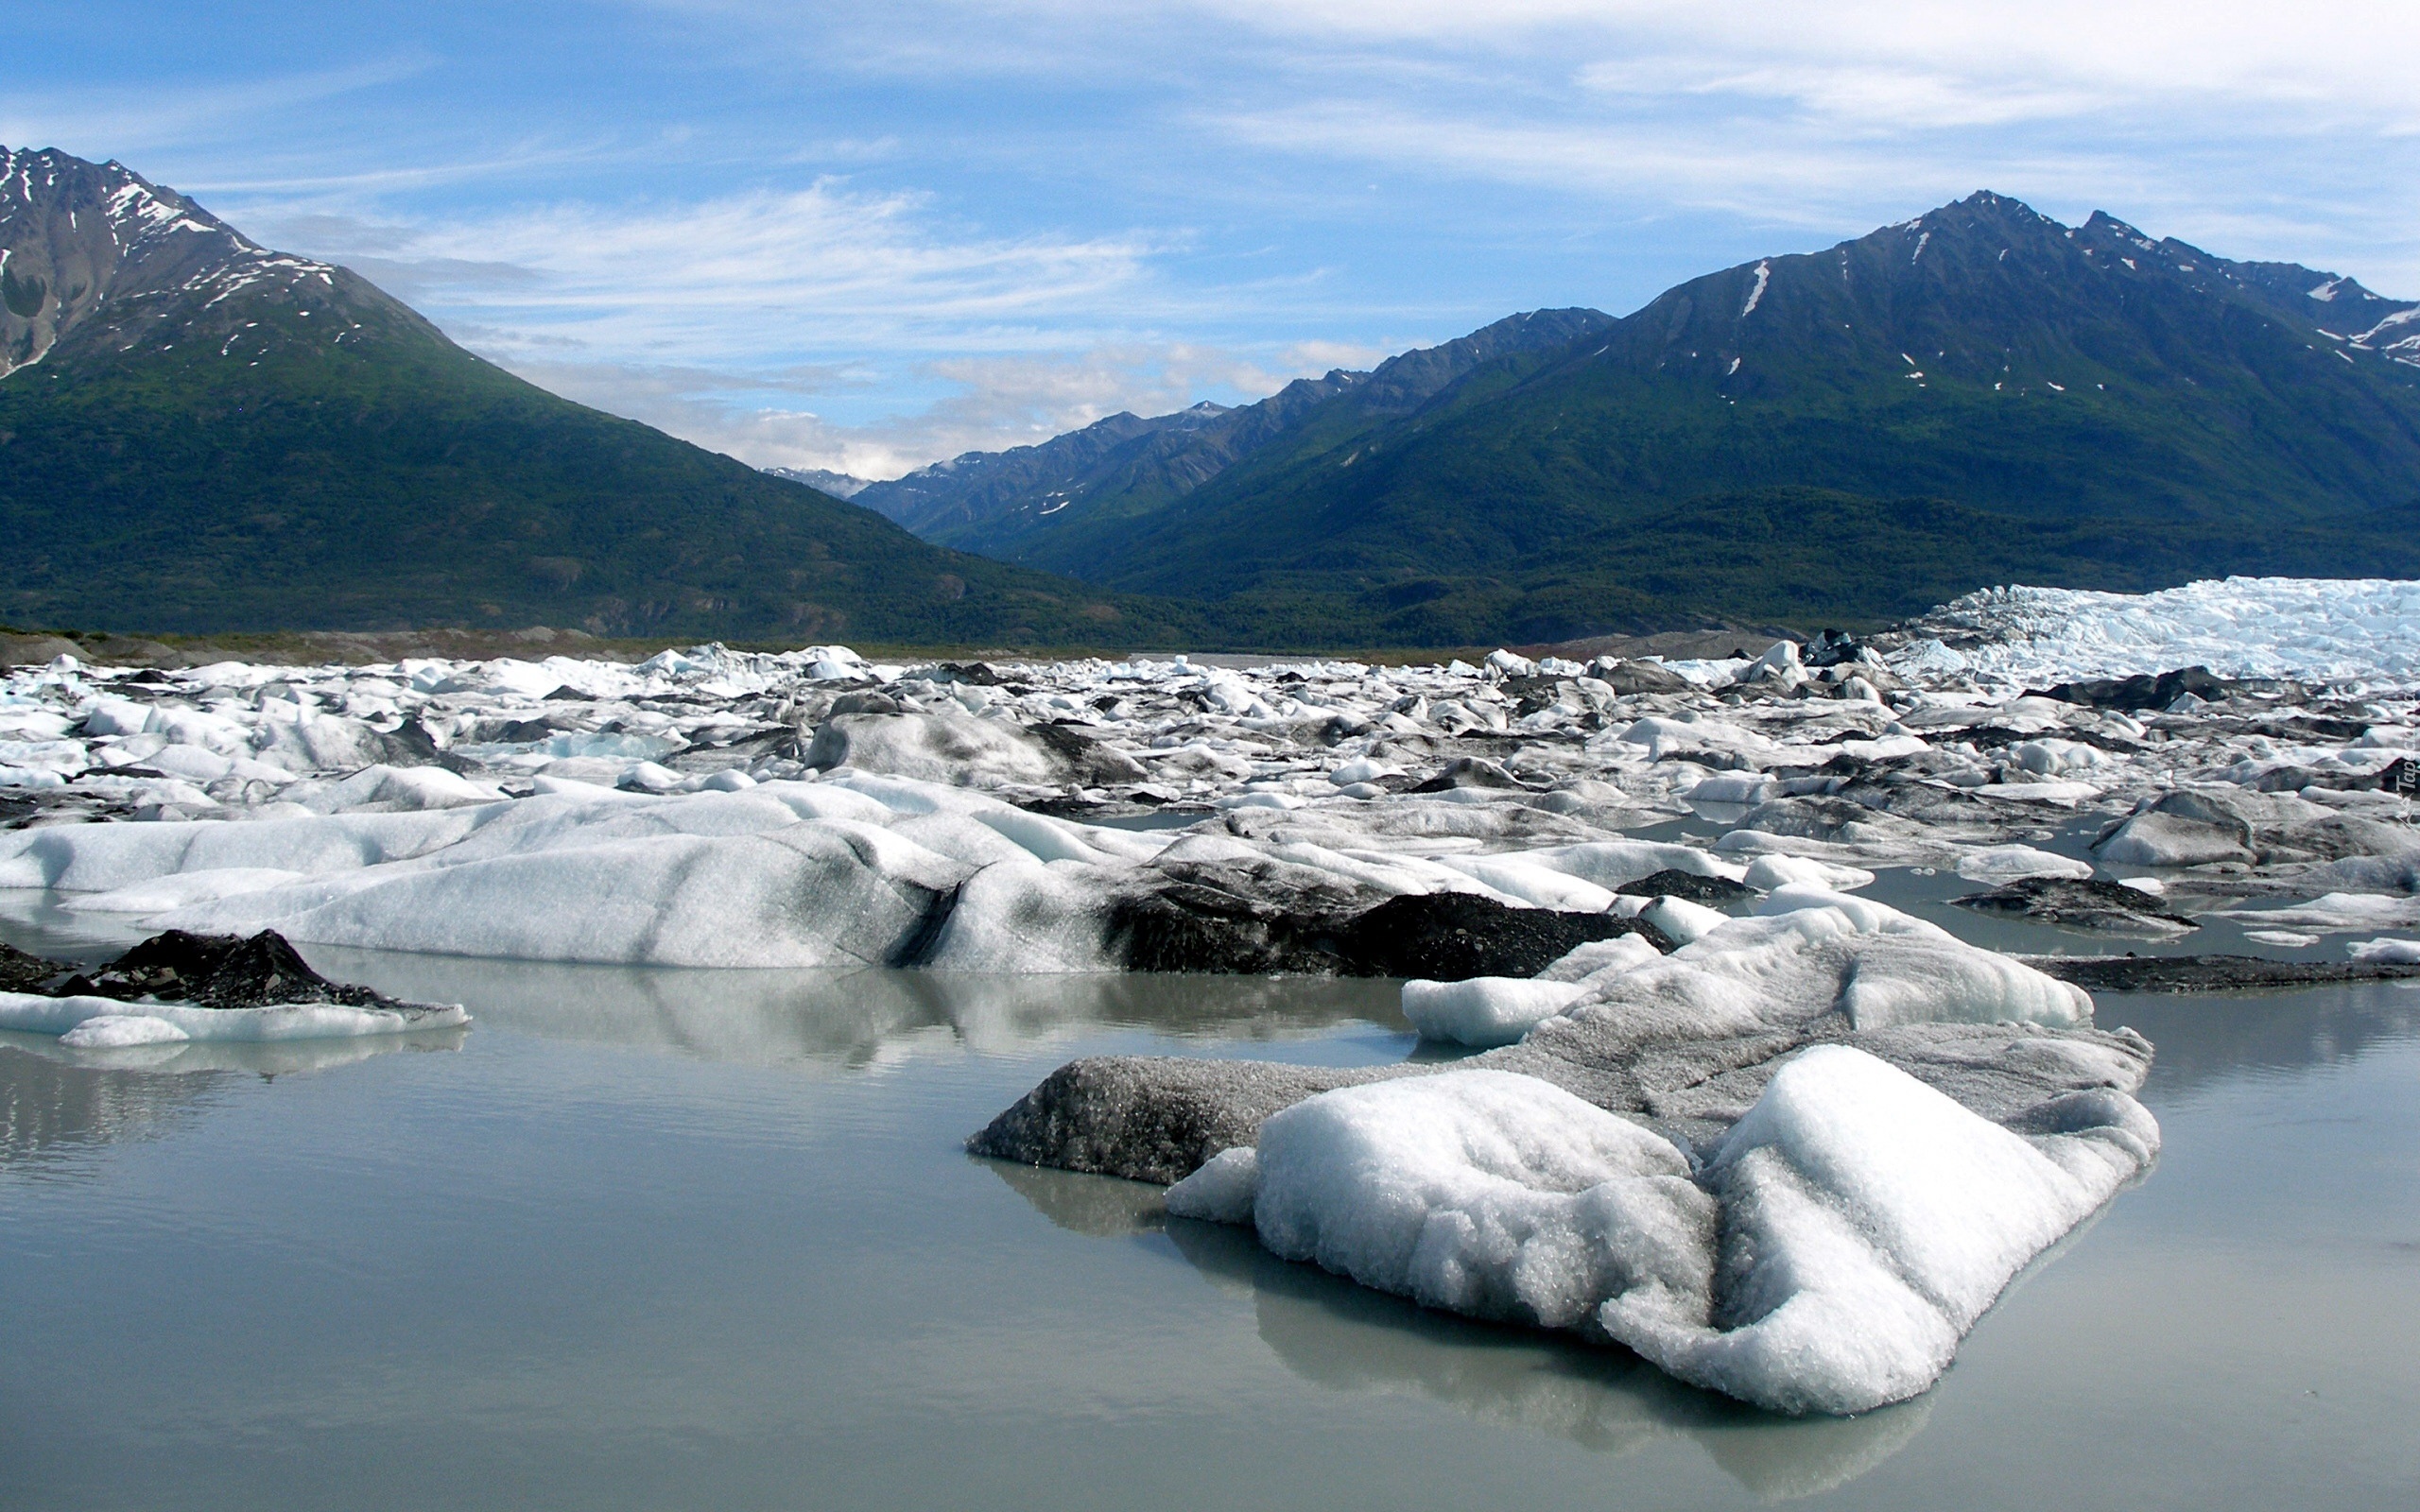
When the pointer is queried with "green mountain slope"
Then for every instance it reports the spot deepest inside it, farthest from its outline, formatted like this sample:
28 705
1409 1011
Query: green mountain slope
1055 505
1976 396
198 434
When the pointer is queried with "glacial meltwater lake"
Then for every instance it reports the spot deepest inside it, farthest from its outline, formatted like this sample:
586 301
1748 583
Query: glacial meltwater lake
671 1239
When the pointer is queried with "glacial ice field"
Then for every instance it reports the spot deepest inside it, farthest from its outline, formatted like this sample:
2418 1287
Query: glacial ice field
1699 1081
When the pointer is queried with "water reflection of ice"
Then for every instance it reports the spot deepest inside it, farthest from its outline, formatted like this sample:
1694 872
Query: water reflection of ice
1345 1337
858 1019
272 1058
53 1105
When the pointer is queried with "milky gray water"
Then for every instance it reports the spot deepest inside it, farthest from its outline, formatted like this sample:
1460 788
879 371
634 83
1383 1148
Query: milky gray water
699 1240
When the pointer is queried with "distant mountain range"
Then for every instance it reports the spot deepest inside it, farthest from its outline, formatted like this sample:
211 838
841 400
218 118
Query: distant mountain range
198 433
838 485
1977 395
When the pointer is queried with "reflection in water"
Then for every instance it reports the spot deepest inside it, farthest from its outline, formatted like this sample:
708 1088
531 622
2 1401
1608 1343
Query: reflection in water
51 1105
2204 1040
854 1018
54 1099
1335 1333
278 1058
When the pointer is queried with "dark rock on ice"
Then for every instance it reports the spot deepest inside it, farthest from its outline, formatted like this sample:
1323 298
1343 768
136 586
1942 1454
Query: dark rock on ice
1087 760
1451 936
2143 691
1267 918
1688 885
963 750
1634 677
2080 903
978 673
23 972
219 971
1471 771
2207 973
1155 1118
1248 919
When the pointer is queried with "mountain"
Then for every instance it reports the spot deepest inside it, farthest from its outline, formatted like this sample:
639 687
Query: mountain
1977 395
198 434
822 480
1051 503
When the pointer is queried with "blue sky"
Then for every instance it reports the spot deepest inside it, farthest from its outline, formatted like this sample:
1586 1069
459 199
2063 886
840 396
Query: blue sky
867 236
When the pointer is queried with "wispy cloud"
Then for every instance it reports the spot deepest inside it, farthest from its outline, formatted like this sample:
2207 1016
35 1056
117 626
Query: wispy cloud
990 401
135 116
743 277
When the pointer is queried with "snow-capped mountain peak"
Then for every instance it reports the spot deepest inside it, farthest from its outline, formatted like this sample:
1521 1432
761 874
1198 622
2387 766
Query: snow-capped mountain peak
78 237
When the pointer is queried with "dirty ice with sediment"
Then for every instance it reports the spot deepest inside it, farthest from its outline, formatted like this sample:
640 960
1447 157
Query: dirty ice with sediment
1709 1101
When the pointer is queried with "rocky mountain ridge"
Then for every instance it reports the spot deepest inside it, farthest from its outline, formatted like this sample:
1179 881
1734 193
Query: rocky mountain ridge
1977 395
1048 496
199 433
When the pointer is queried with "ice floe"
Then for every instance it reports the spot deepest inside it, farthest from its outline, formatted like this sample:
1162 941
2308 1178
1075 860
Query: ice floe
94 1024
1643 888
1827 1258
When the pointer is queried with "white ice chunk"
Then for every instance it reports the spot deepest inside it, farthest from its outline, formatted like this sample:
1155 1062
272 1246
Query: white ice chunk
2014 863
120 1031
2291 939
1362 769
1768 872
29 1014
1682 920
1612 864
1603 958
2386 952
1222 1191
2336 912
1867 1222
185 891
1473 1191
2155 839
1484 1010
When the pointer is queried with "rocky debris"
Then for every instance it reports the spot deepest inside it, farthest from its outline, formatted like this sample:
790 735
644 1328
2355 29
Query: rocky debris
206 970
1155 1118
1452 937
2143 691
2080 903
1632 677
1230 919
1087 761
2209 973
1472 771
22 973
870 735
1693 886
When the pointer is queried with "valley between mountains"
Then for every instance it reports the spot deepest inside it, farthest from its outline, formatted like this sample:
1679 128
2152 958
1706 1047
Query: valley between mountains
201 435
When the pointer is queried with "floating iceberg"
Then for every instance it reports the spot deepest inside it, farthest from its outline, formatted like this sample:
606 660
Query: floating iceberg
1841 1240
111 1023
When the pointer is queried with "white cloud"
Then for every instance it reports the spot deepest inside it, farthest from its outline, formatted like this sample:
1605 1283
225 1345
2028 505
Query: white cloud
749 277
993 402
708 319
